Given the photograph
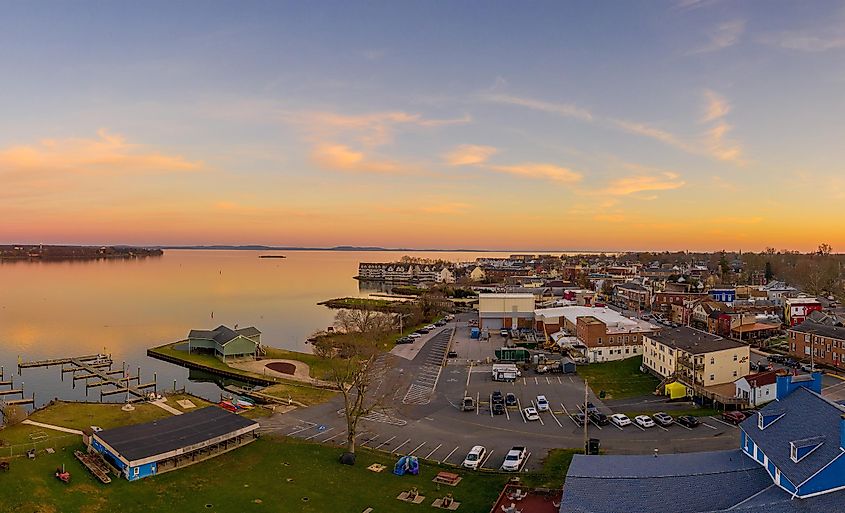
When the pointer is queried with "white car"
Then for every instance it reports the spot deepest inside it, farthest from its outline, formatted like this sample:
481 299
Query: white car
542 403
644 421
531 413
475 457
431 327
620 419
514 459
414 336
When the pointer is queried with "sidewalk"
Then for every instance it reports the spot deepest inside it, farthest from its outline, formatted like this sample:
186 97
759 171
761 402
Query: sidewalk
51 426
166 407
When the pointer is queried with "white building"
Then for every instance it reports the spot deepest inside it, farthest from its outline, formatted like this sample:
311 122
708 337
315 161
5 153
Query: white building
508 310
757 389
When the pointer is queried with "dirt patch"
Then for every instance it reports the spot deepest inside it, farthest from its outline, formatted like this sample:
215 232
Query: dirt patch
283 367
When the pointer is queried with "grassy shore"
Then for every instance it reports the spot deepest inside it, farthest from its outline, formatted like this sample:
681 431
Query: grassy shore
620 379
358 303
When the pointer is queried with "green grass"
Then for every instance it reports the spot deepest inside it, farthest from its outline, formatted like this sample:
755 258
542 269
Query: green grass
358 303
302 393
269 475
620 379
554 470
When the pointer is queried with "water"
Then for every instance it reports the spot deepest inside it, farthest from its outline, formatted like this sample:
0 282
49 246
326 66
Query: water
123 307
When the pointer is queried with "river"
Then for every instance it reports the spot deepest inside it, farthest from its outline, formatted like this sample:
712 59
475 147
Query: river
123 307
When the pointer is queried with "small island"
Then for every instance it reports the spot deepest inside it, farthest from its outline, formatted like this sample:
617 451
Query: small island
272 256
55 253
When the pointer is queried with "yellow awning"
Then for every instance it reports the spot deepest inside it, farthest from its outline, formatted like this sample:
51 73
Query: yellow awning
675 390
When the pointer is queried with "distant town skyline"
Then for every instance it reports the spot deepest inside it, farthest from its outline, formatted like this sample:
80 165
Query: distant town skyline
688 124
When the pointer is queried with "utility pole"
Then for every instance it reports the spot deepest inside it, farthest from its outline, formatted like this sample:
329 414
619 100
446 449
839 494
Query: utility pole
586 418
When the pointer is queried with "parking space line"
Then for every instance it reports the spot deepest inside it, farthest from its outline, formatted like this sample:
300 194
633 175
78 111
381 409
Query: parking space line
507 414
523 381
708 425
548 382
320 433
370 440
555 417
521 413
559 381
427 456
491 406
301 430
524 463
571 380
396 449
683 426
385 442
535 381
450 454
477 402
487 458
416 449
333 437
723 422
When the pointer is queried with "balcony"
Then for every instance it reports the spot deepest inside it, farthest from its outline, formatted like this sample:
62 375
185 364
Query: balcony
689 363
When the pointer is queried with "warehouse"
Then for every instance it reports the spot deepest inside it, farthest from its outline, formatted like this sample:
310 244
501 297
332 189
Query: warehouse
506 310
144 450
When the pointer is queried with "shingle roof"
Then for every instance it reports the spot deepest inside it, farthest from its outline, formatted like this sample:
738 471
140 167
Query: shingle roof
807 415
693 341
823 330
223 334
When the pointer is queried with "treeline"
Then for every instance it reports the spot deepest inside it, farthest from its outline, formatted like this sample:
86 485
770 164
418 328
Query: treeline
20 251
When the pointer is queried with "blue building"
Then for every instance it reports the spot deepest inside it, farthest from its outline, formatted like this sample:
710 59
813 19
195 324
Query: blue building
144 450
791 460
723 295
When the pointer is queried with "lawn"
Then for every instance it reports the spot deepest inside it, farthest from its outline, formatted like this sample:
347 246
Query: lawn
301 393
555 467
269 475
620 379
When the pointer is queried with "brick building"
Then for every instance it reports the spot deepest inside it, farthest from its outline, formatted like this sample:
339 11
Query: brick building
822 343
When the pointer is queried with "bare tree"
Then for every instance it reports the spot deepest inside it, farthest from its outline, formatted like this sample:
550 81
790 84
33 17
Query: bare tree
364 321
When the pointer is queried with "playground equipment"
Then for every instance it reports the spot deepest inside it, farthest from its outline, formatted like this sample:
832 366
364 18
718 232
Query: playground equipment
407 465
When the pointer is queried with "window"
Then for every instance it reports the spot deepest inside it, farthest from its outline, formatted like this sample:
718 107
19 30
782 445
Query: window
735 357
599 340
734 373
712 360
793 452
135 471
712 377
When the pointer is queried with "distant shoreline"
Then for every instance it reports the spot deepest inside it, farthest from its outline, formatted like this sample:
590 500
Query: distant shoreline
393 250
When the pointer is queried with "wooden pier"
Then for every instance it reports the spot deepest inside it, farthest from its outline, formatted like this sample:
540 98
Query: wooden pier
13 391
98 366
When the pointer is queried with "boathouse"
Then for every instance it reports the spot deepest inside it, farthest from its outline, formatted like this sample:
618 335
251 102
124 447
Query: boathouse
225 343
144 450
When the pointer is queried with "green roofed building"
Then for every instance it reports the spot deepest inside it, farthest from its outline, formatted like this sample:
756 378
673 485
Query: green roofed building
225 343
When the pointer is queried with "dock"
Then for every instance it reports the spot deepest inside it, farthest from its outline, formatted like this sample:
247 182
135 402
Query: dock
99 367
11 391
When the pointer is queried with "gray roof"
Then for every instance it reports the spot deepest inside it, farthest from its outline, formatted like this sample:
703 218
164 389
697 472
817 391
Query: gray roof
712 482
807 415
824 330
222 334
693 341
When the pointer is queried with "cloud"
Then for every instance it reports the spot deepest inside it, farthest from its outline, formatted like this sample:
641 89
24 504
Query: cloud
339 157
642 183
724 35
540 171
469 154
819 40
373 129
636 128
453 208
562 109
715 138
716 107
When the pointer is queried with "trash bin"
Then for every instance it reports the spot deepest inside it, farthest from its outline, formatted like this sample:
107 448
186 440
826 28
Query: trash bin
593 446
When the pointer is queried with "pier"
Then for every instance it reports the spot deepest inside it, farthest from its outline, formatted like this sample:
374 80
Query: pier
12 391
97 366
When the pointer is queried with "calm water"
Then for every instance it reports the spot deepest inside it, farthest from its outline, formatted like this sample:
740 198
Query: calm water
51 310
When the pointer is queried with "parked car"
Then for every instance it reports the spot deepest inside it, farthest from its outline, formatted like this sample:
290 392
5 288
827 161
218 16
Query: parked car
468 404
664 419
514 459
431 327
404 340
496 397
414 335
441 322
776 358
644 421
421 331
579 419
734 417
599 418
452 354
806 367
510 399
498 409
592 408
620 419
542 403
688 421
475 457
503 332
531 413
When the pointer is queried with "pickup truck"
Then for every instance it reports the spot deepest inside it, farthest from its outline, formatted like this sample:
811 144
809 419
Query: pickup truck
514 459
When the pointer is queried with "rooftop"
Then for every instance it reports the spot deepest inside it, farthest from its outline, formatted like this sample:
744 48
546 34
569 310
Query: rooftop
693 341
817 328
616 322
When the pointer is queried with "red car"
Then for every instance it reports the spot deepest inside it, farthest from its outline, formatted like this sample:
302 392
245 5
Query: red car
734 417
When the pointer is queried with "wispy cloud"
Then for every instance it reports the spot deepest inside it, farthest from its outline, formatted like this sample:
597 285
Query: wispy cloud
469 154
562 109
723 35
541 171
645 130
339 157
643 183
808 41
715 138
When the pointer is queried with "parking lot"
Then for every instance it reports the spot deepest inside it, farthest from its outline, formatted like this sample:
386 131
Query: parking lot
426 418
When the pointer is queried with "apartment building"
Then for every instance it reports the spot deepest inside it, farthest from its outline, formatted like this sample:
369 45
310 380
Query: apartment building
821 343
694 357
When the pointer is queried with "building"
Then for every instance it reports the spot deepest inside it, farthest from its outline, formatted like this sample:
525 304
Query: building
723 295
800 438
821 343
663 301
695 358
797 309
152 448
757 389
401 272
477 274
606 334
779 291
632 296
224 343
508 310
701 313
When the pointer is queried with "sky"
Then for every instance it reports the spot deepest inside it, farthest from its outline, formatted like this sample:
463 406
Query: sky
654 125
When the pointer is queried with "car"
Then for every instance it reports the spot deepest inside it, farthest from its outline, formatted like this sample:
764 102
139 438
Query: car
579 419
452 354
598 418
620 419
431 327
806 367
404 340
440 323
503 332
414 335
475 457
688 421
531 413
468 404
421 331
591 408
497 398
498 409
775 358
514 459
644 421
733 417
664 419
510 399
542 403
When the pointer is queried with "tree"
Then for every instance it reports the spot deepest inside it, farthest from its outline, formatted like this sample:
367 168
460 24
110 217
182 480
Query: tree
724 267
364 321
607 288
825 249
769 273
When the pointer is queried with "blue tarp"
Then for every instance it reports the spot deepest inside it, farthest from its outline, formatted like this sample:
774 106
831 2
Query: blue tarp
407 465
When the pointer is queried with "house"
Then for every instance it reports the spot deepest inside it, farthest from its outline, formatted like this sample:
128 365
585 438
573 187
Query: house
152 448
791 460
779 291
702 310
723 295
819 342
757 389
695 358
797 309
223 342
663 301
632 295
799 439
505 310
477 274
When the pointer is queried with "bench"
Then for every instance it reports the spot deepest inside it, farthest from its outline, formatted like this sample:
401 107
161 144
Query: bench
447 478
